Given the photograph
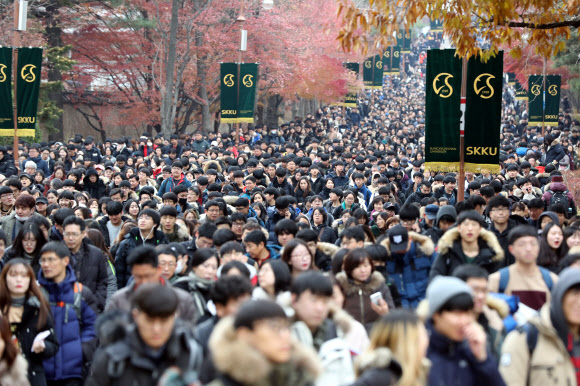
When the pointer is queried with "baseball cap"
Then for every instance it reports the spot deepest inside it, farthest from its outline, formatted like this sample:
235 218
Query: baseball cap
431 211
398 237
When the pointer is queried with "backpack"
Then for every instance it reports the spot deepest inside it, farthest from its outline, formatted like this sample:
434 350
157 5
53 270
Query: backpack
559 197
504 278
78 291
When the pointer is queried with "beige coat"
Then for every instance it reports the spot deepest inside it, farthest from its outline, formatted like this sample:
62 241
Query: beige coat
549 363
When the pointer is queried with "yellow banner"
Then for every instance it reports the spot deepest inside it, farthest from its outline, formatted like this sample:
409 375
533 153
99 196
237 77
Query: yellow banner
21 133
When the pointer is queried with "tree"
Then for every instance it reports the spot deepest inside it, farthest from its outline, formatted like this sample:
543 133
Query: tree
542 24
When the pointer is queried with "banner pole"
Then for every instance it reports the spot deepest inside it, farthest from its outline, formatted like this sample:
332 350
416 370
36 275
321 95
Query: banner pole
461 182
16 43
544 98
391 68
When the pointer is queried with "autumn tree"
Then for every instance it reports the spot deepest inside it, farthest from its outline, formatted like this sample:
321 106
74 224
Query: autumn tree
542 24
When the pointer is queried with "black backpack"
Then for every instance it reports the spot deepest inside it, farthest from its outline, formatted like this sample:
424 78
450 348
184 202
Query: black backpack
559 197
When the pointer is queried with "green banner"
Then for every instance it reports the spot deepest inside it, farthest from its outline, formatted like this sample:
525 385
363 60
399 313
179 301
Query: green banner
442 111
6 114
404 40
553 84
352 95
483 114
248 86
392 60
373 72
535 88
436 25
228 88
28 87
238 94
511 78
521 92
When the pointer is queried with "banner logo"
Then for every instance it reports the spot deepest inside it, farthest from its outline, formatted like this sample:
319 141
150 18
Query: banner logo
536 89
379 64
368 64
485 94
247 80
387 54
2 73
229 80
396 54
553 90
407 36
27 73
399 35
443 93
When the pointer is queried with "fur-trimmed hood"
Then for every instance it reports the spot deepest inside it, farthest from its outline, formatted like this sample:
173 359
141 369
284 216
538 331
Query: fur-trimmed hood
247 366
378 358
498 305
349 288
424 243
446 241
218 167
327 248
15 375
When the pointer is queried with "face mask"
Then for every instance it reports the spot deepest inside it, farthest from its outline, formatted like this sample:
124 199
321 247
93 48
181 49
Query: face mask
182 201
149 144
21 219
179 267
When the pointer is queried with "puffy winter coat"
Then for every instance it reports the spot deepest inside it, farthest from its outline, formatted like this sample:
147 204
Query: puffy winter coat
325 233
559 187
453 364
555 152
450 256
131 241
76 338
90 266
7 168
8 224
26 331
357 301
129 361
410 271
169 184
96 189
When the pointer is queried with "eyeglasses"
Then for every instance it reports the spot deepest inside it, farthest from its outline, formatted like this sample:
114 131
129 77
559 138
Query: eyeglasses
408 222
28 242
168 264
71 234
49 260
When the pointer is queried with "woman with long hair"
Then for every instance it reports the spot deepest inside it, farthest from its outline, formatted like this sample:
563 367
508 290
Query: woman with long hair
125 228
349 202
261 213
303 191
380 224
96 238
397 352
319 224
298 257
131 209
27 245
551 247
25 307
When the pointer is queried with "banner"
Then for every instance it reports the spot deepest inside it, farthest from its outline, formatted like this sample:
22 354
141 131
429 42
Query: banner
442 114
6 114
511 78
238 96
553 84
436 25
404 40
536 96
392 60
521 92
373 72
351 97
248 86
28 87
483 114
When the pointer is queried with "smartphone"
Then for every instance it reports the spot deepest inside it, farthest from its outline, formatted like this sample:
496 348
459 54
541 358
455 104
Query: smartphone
376 297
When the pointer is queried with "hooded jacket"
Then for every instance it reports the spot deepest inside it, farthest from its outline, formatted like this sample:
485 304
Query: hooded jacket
453 363
559 187
555 152
169 184
131 362
435 233
550 363
490 255
96 189
76 338
553 216
7 167
131 241
239 364
357 301
410 271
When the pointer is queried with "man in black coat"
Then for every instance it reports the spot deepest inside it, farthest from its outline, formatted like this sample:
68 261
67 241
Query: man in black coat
88 262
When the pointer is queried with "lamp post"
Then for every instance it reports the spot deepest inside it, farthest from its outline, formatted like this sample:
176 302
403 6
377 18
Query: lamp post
267 5
20 13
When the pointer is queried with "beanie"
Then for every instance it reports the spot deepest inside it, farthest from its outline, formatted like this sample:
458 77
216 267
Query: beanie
443 288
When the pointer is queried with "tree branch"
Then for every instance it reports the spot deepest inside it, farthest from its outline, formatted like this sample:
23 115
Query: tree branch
567 23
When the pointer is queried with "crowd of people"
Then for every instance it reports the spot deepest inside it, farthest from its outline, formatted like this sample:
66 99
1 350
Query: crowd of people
319 252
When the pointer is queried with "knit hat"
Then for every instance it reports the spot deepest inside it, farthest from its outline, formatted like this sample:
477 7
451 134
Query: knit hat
557 178
443 288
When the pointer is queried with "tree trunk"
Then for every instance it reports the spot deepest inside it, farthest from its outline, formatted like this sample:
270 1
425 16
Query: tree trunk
167 111
294 109
202 78
54 39
272 114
